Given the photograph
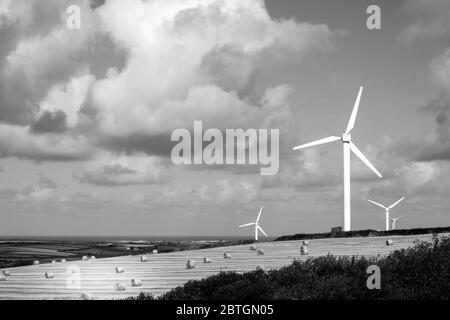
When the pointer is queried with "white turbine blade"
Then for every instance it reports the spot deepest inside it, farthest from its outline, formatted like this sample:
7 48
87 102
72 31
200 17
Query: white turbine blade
246 225
376 203
318 142
259 215
396 203
351 121
260 229
360 155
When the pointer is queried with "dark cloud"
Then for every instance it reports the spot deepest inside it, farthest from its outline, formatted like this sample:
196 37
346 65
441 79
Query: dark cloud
50 122
438 147
158 145
46 183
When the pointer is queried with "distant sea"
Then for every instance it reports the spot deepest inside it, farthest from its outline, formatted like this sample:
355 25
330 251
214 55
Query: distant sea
121 238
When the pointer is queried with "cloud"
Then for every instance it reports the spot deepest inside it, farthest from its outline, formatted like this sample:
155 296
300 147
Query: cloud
50 122
115 170
44 191
139 69
21 142
436 146
195 60
431 21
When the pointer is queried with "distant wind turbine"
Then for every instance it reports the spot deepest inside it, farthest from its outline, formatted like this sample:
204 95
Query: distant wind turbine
348 146
387 211
256 224
395 219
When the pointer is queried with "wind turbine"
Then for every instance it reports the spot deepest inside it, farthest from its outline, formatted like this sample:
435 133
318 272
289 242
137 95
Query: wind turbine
395 219
256 224
348 146
387 210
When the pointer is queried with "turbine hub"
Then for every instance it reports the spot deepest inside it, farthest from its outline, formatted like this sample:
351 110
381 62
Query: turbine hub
346 137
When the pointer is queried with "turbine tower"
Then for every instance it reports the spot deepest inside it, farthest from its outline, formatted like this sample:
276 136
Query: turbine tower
256 224
348 146
387 211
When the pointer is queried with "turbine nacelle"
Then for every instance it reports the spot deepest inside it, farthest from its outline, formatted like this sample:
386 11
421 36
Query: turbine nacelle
346 137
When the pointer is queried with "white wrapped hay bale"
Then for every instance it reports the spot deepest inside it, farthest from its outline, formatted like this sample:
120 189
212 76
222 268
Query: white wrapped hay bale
305 242
85 258
227 255
191 264
389 242
144 259
49 275
206 260
136 283
260 252
253 248
155 251
120 270
119 287
86 296
2 278
6 273
92 257
36 262
53 261
63 260
304 250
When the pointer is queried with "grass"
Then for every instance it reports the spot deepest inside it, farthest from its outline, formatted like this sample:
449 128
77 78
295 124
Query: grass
420 272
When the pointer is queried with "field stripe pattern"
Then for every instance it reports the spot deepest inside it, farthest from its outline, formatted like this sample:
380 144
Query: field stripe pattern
165 271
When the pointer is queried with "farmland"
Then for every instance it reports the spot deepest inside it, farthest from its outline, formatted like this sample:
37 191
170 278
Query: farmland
164 271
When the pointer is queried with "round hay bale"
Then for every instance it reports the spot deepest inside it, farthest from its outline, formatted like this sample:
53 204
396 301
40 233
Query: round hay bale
191 264
92 257
260 252
85 258
119 287
2 278
120 270
305 242
144 259
227 255
36 262
6 273
304 250
49 275
53 261
86 296
136 283
206 260
253 248
155 251
63 260
389 242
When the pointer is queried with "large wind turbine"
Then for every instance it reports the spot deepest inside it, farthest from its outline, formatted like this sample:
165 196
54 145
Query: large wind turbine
387 211
256 224
348 145
395 219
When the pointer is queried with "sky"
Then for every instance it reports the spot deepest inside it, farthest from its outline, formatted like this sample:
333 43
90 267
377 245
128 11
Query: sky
86 115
